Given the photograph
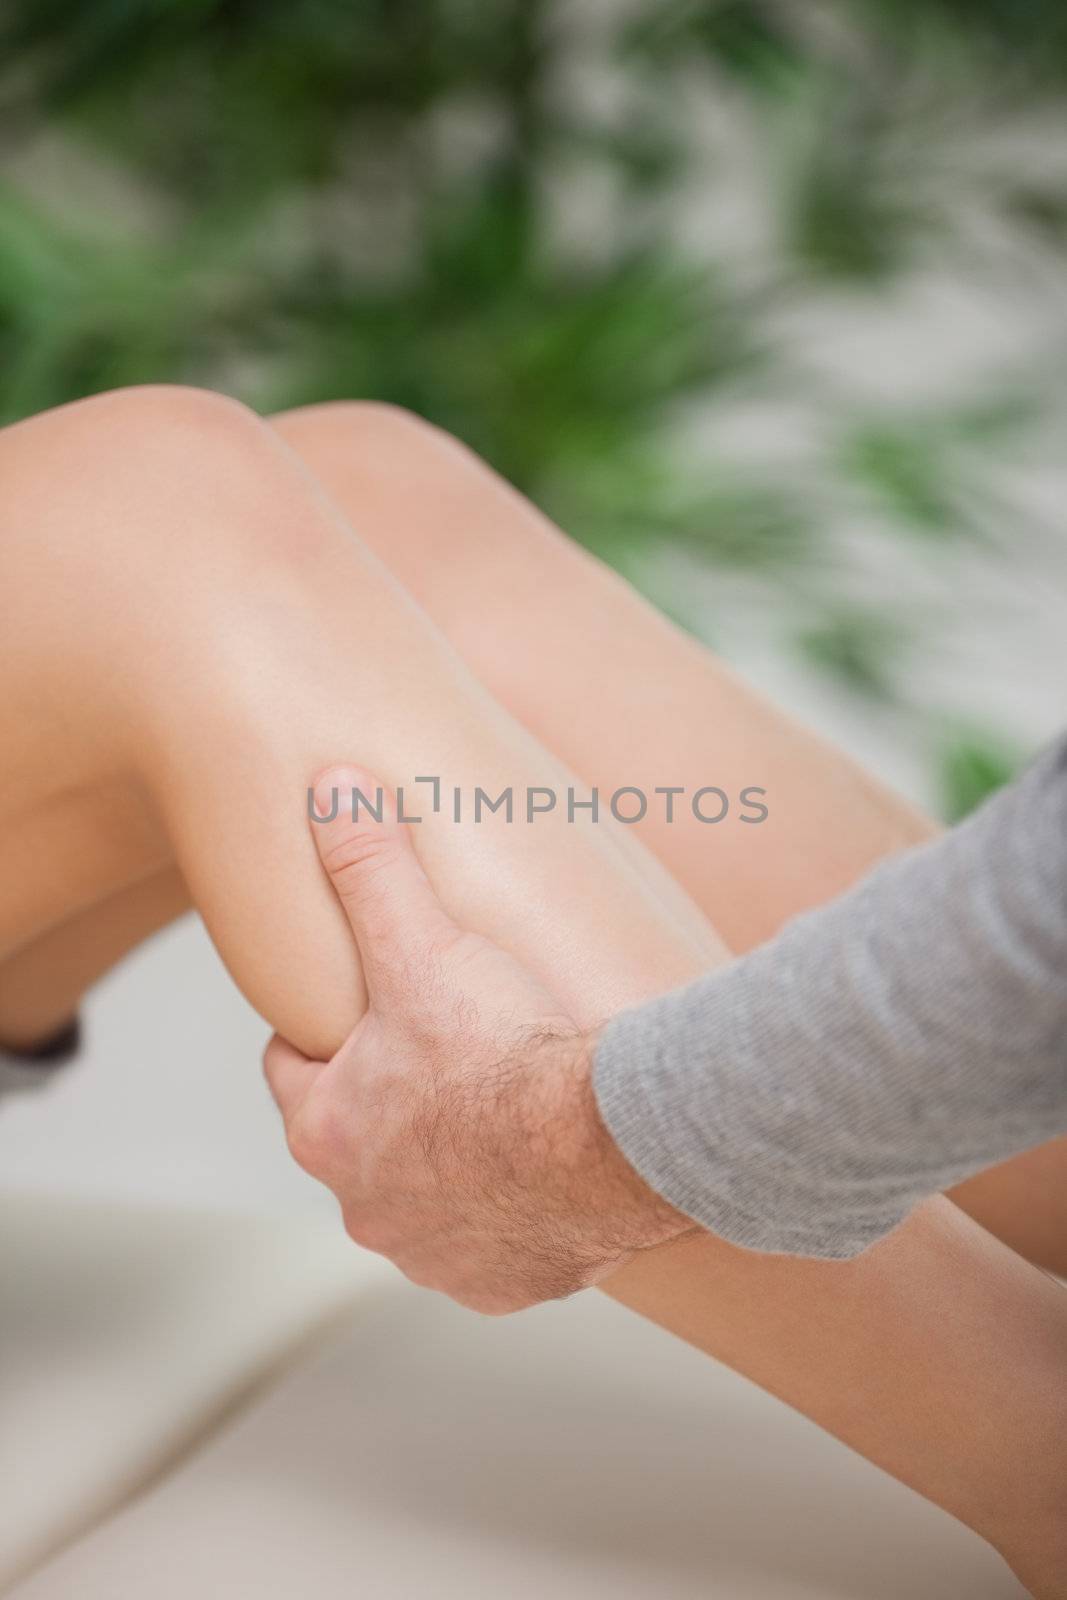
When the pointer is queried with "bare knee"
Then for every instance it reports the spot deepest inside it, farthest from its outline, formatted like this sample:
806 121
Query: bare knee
168 440
160 407
156 485
439 516
144 529
382 453
126 460
386 435
137 430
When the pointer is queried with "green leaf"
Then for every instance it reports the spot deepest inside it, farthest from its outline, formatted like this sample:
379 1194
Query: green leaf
857 648
904 465
971 766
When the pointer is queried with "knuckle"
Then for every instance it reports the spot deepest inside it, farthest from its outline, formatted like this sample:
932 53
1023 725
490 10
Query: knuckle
367 1230
318 1136
355 1224
420 1277
494 1304
359 860
301 1146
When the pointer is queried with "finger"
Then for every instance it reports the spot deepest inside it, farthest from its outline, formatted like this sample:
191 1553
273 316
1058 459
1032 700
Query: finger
289 1075
390 903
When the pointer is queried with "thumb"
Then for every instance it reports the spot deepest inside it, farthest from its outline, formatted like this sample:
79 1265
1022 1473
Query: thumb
390 903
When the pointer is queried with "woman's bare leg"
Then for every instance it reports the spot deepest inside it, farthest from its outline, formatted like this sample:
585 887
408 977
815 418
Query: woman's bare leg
534 617
207 634
619 693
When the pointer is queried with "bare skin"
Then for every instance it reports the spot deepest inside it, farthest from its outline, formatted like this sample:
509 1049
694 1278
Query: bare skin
533 615
188 617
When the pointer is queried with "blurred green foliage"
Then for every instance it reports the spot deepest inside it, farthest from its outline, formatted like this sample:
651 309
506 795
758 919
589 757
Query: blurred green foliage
971 765
468 207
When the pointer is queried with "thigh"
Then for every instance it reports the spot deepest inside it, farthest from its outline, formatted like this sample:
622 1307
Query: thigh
625 698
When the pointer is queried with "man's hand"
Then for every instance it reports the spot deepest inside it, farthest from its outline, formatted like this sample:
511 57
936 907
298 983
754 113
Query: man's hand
457 1124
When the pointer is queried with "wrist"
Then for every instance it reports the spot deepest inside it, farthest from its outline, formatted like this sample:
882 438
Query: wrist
641 1215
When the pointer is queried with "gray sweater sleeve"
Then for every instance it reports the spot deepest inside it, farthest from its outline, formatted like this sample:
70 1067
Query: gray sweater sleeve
806 1097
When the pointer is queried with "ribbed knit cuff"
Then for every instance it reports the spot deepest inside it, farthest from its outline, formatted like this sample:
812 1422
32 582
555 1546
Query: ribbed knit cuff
718 1156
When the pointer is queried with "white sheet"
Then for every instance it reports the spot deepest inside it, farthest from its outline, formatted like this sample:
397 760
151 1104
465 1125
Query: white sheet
571 1453
123 1332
